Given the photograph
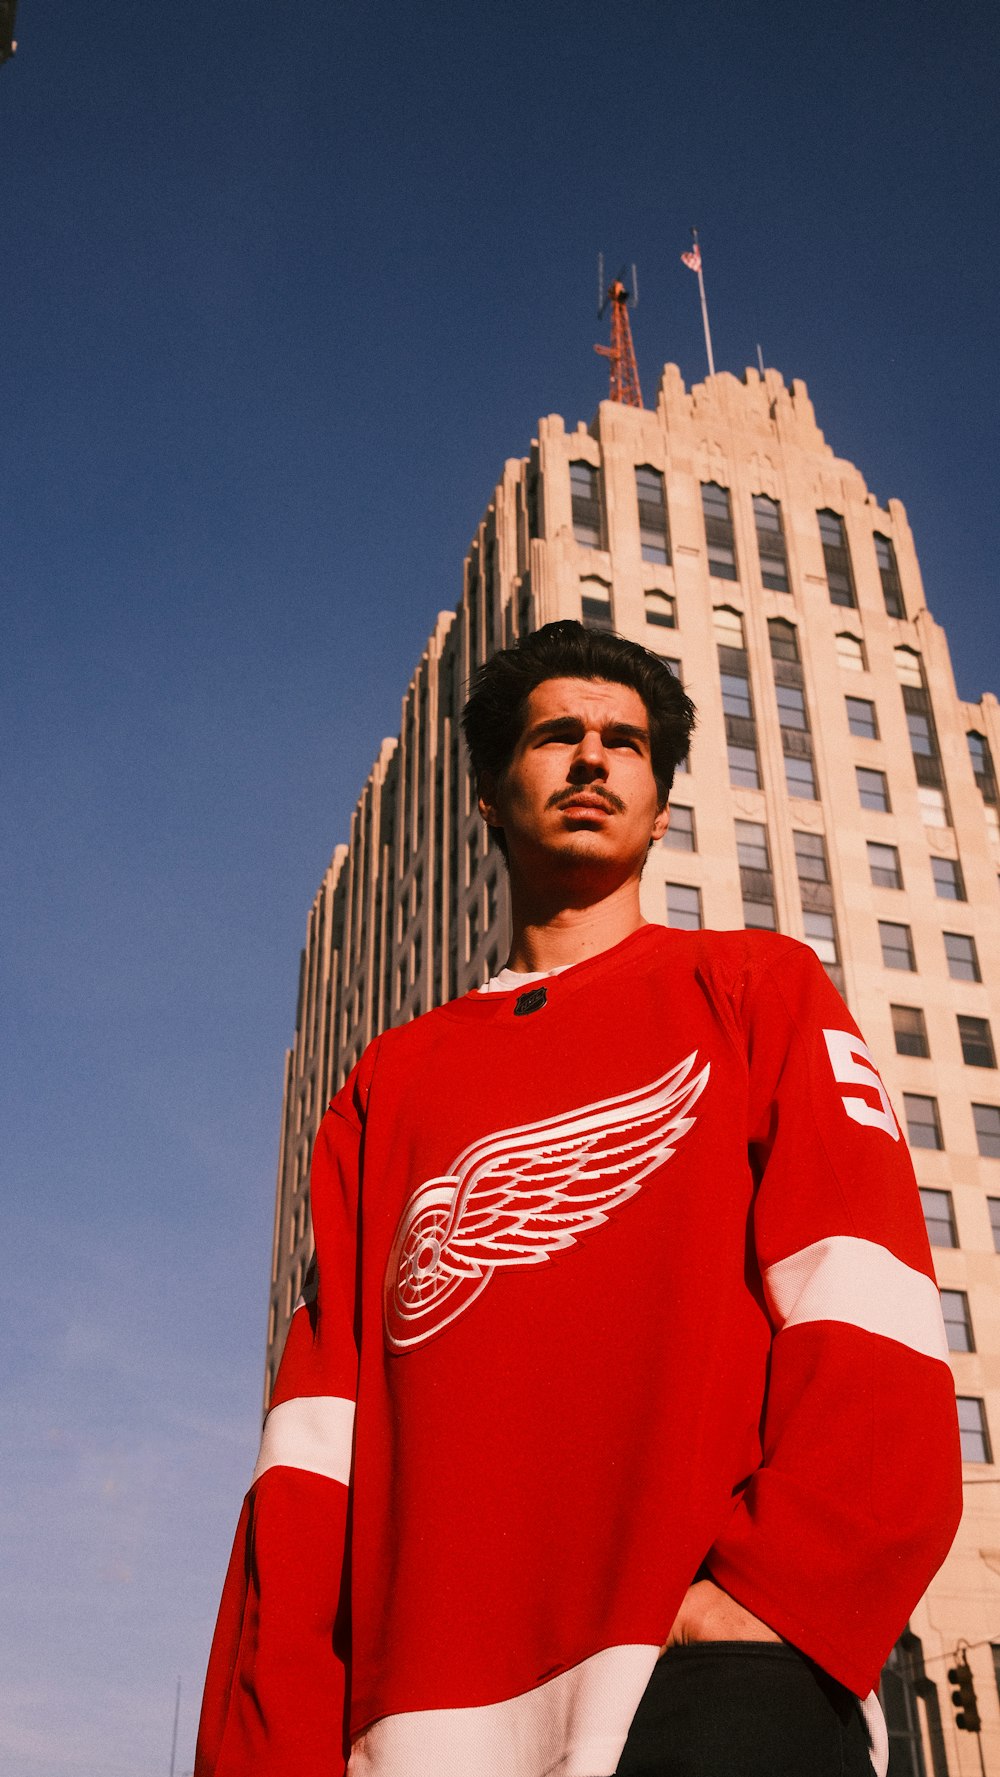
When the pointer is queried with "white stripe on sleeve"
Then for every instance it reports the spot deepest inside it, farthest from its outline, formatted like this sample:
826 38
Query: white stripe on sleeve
862 1283
314 1432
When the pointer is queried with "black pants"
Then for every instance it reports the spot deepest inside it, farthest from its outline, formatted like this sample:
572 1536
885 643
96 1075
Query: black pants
744 1709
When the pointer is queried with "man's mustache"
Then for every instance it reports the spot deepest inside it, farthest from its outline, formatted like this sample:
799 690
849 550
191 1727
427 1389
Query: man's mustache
596 790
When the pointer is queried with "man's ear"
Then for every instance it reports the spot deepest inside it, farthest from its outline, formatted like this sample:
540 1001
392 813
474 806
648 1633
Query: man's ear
486 792
660 824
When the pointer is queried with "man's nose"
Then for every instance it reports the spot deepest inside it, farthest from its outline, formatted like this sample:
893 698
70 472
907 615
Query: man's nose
590 759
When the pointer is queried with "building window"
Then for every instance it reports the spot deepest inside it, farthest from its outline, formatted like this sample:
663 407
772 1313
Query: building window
791 707
756 877
743 770
661 609
810 857
920 733
727 626
923 1124
851 653
949 884
883 862
585 497
982 765
492 904
654 536
939 1217
759 916
976 1039
897 945
909 1030
472 934
909 668
986 1118
957 1320
751 846
736 700
994 1203
783 640
933 808
799 777
972 1430
595 604
963 962
679 836
683 906
719 538
873 789
861 718
821 935
839 578
770 543
892 591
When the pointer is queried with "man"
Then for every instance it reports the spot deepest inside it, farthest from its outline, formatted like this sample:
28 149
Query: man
622 1263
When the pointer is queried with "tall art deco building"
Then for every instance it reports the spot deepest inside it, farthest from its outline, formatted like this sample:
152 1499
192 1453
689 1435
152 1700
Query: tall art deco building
839 791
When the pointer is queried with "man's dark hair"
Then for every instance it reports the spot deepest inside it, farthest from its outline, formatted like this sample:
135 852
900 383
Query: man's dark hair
493 717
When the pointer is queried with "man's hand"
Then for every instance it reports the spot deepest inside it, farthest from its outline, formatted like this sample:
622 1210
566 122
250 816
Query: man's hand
708 1613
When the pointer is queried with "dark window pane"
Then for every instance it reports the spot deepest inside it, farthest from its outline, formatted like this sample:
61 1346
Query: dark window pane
654 537
994 1203
892 591
810 857
897 945
949 884
760 916
770 543
977 1041
683 906
883 862
585 496
973 1430
751 845
736 695
873 789
963 961
718 531
939 1217
986 1118
910 1030
743 771
837 559
799 778
861 717
791 706
923 1124
982 765
821 935
679 835
783 639
957 1320
920 733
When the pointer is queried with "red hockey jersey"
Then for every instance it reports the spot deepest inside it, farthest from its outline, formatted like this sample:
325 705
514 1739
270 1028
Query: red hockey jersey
615 1279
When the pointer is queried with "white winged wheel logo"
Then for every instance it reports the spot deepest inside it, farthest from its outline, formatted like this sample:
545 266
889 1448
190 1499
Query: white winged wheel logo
516 1197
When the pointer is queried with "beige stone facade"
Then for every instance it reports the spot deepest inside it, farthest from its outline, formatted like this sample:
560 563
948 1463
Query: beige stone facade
834 793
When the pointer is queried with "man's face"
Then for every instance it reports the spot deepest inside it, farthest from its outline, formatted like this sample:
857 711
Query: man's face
579 790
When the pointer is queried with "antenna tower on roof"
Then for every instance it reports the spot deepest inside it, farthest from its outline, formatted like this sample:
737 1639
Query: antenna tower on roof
621 351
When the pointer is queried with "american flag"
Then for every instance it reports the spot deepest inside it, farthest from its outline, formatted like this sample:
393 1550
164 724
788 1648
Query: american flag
693 259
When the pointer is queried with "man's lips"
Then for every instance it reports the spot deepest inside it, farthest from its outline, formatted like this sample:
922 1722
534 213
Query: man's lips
587 805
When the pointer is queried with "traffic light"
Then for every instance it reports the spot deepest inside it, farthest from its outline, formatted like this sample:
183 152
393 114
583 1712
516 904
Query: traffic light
964 1696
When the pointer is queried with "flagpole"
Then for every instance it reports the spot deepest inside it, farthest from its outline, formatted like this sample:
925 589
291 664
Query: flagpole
704 305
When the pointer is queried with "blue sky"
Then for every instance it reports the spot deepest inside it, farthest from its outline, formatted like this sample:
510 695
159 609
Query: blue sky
282 288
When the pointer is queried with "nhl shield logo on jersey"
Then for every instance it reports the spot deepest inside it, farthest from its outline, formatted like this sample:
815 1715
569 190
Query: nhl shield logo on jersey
517 1196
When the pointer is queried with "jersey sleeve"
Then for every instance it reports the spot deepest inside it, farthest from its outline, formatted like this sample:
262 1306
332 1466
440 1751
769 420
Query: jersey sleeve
275 1699
858 1493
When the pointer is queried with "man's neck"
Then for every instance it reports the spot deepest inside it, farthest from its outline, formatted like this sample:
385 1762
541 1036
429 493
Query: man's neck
552 937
